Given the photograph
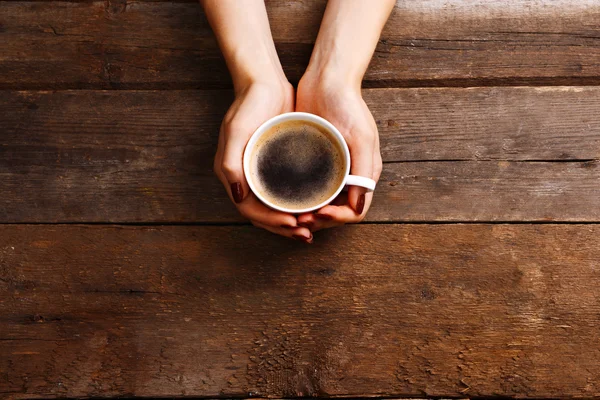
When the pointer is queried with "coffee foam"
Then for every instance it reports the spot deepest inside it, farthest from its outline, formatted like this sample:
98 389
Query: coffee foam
297 164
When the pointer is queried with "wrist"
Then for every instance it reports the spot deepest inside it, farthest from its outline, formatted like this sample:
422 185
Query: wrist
273 93
262 75
270 80
258 66
281 89
329 78
335 70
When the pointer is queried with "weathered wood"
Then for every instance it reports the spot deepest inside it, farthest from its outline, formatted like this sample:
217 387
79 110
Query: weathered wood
518 123
436 310
120 44
434 191
488 191
94 156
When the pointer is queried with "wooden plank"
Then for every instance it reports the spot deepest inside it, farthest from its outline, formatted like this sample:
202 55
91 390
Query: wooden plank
435 191
137 45
104 44
144 156
387 310
489 191
517 123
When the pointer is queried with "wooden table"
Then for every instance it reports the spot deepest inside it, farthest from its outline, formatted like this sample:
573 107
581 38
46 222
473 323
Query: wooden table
125 271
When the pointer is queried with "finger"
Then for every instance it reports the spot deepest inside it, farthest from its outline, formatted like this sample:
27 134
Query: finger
307 221
219 172
361 154
300 234
341 199
345 214
218 161
254 210
377 166
307 218
317 221
324 220
377 161
232 162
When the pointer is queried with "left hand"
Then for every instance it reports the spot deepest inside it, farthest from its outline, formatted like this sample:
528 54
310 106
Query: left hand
341 104
253 105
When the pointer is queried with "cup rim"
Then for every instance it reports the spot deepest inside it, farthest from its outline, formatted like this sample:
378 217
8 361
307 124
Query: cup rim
294 116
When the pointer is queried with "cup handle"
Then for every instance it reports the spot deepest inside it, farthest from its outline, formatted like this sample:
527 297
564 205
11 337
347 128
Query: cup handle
355 180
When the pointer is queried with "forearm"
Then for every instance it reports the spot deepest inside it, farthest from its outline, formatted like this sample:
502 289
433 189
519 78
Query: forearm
242 30
348 36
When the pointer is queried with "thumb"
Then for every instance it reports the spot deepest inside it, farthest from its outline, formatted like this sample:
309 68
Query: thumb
232 166
361 155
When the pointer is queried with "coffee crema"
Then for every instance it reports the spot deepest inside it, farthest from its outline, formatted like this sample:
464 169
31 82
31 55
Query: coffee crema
297 165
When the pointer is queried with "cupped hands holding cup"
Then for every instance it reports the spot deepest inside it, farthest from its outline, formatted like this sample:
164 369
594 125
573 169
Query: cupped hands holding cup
330 89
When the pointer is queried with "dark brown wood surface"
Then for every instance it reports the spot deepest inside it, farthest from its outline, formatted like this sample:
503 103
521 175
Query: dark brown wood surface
484 154
433 296
435 310
137 44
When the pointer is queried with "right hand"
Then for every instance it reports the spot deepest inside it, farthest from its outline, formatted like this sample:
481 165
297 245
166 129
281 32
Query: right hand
253 105
340 102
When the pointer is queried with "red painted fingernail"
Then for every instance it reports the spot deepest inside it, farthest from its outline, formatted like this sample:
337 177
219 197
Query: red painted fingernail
324 217
306 225
287 226
237 192
304 239
360 204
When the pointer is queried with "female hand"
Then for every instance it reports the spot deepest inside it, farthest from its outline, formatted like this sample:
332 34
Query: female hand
261 92
341 103
253 105
331 88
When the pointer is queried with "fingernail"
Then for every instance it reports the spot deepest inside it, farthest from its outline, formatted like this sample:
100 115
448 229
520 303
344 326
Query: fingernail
360 204
306 225
237 192
303 238
324 217
287 226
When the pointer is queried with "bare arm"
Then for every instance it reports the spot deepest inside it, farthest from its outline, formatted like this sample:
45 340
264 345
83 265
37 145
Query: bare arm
261 92
347 39
242 30
331 88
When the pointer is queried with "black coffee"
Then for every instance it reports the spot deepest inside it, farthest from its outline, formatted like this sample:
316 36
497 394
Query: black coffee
297 165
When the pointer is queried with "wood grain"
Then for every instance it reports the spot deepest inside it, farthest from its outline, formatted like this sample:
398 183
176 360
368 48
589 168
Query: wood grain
144 45
488 191
145 156
517 123
388 310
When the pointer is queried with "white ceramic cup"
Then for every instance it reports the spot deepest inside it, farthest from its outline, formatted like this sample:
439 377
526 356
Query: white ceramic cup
349 180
